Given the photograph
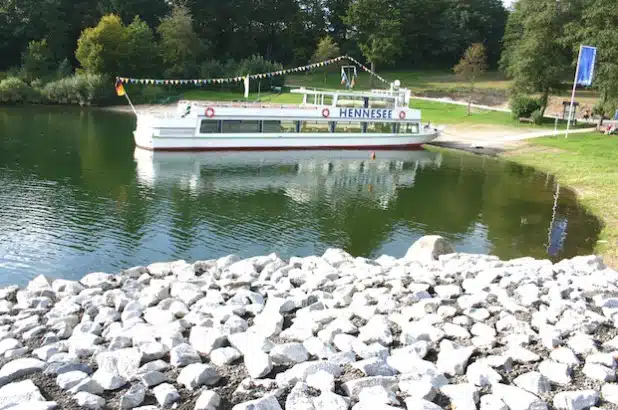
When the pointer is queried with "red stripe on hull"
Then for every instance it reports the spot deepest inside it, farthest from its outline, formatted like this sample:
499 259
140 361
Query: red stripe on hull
316 148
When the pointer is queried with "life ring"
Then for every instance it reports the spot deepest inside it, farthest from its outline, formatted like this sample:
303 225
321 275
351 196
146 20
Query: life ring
402 115
210 112
325 113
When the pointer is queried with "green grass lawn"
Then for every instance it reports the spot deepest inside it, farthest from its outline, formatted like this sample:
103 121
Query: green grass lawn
417 81
588 163
269 97
444 113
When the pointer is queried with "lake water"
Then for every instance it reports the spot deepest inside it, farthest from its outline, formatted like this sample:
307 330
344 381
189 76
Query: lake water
77 197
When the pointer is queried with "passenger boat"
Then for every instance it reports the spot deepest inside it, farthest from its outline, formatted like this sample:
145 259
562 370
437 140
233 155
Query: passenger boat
377 119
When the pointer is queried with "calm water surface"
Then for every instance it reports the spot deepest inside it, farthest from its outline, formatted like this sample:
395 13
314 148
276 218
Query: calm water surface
76 197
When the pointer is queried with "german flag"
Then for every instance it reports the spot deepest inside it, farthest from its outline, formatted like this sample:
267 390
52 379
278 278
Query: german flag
119 88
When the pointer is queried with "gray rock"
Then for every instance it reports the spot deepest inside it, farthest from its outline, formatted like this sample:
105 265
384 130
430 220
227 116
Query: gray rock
156 366
98 280
564 355
19 368
555 372
109 378
87 385
208 400
599 372
19 392
289 353
492 402
133 397
429 248
418 389
166 394
609 392
35 405
518 399
70 379
150 379
575 400
152 351
463 396
321 380
198 374
89 401
205 339
125 361
412 403
265 403
183 355
258 363
9 344
480 373
453 361
55 369
376 397
224 356
299 398
534 382
301 371
16 353
353 387
331 401
374 366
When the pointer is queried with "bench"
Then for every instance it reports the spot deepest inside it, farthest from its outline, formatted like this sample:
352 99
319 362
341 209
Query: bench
525 119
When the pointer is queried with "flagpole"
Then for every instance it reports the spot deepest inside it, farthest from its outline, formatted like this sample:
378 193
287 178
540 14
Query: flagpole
566 135
130 103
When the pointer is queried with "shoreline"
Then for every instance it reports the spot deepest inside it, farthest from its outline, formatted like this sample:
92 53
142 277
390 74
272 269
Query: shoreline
432 330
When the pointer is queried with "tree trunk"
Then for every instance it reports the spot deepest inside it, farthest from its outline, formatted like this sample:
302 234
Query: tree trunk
544 101
373 70
470 98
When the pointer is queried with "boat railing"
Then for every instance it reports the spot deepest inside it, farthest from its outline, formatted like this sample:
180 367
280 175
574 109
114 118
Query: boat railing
239 104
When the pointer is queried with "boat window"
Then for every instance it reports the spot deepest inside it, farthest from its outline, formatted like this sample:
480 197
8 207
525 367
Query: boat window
348 126
271 126
410 128
209 127
379 127
240 126
314 126
287 126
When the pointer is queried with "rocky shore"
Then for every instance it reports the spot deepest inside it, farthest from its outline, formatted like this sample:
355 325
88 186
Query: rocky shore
433 330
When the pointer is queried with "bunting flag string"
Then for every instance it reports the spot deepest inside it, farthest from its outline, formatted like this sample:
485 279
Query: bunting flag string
240 79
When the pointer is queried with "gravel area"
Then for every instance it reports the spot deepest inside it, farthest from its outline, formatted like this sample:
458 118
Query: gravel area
435 329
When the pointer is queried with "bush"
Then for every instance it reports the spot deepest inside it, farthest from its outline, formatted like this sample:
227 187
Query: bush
257 65
537 117
82 89
14 90
524 106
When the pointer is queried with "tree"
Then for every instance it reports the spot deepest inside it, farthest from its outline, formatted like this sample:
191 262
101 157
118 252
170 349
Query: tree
535 56
472 64
103 49
326 50
180 46
150 11
597 27
376 26
143 57
38 61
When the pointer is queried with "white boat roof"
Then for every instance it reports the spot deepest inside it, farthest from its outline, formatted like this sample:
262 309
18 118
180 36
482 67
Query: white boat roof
381 94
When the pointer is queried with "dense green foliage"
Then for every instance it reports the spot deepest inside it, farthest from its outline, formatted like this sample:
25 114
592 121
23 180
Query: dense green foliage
541 44
523 106
403 33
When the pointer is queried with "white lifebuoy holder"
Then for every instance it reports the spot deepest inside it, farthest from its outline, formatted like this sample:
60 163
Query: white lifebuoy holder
402 115
210 112
325 113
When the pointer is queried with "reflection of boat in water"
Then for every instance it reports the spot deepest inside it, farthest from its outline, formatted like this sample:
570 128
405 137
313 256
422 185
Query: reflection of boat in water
300 174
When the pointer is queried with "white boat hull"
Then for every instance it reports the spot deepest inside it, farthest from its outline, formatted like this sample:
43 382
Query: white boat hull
283 141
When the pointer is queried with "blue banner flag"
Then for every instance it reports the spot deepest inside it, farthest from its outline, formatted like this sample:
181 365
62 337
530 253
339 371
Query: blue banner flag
587 59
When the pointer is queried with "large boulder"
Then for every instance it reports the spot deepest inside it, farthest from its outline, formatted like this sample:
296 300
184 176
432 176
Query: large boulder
429 248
